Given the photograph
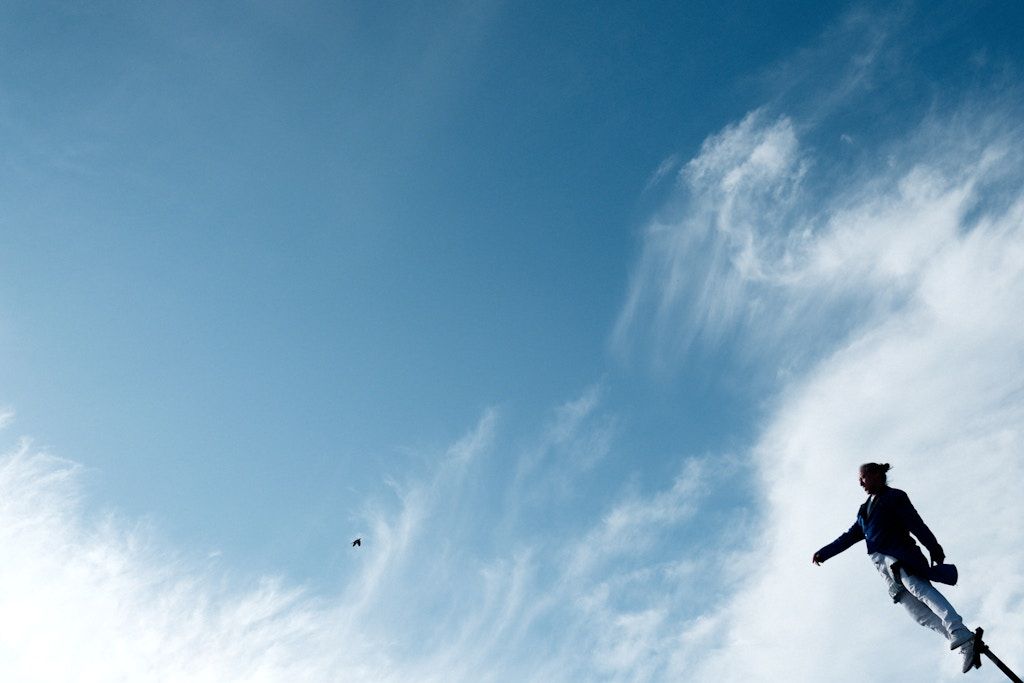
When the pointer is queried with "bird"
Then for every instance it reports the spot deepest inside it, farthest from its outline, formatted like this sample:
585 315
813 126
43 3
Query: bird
356 542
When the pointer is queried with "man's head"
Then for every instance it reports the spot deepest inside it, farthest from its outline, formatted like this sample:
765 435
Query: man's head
872 477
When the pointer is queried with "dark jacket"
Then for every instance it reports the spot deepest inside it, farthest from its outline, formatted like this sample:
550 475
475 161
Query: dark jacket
887 530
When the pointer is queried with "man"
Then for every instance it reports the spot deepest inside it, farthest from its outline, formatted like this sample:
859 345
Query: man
886 521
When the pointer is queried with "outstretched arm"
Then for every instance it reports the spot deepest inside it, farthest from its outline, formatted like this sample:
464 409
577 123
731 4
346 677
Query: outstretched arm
852 536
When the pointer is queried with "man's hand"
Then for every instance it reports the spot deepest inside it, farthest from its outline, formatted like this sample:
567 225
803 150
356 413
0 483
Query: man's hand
817 559
938 556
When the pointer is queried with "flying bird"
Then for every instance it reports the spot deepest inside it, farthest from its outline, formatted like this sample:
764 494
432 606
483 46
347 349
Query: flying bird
356 542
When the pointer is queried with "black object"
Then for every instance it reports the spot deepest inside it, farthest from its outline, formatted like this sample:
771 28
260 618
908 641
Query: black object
356 542
980 648
943 573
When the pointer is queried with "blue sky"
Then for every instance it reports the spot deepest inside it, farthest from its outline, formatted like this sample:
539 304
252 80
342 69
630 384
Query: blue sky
583 317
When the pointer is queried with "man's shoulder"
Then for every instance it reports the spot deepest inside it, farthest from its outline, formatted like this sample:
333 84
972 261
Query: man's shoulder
895 495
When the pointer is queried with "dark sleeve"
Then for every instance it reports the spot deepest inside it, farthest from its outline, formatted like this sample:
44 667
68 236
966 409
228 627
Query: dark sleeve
914 524
854 534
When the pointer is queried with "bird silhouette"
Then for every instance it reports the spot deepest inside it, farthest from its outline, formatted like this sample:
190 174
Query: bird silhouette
356 542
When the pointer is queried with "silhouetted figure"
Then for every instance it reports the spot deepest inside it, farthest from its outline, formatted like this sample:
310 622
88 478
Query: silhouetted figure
356 542
886 521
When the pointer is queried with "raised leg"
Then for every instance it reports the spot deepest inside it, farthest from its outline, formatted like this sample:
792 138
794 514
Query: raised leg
921 613
952 624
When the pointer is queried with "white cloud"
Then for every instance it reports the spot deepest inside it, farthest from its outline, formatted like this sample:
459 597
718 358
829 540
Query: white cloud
692 278
905 289
635 523
577 437
453 586
668 164
440 594
101 601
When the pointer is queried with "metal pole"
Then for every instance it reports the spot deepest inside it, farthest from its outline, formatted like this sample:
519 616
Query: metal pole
980 648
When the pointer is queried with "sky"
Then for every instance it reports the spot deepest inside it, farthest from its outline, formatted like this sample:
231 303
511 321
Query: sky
582 316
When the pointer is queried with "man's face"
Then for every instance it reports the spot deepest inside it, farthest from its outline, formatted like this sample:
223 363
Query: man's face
870 482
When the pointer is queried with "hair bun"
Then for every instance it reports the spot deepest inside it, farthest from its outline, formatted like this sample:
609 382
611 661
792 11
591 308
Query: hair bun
886 467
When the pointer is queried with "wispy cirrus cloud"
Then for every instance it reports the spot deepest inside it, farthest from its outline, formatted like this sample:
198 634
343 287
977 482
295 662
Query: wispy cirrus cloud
694 274
429 602
660 584
934 388
887 309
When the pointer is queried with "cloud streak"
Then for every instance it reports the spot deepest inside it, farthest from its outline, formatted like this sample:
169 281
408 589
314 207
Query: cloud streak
743 179
103 599
472 571
889 309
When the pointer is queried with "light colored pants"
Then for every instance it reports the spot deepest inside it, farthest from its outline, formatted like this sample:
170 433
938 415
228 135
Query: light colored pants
926 605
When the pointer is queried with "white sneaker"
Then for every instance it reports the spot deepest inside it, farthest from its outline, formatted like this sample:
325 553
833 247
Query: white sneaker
970 661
